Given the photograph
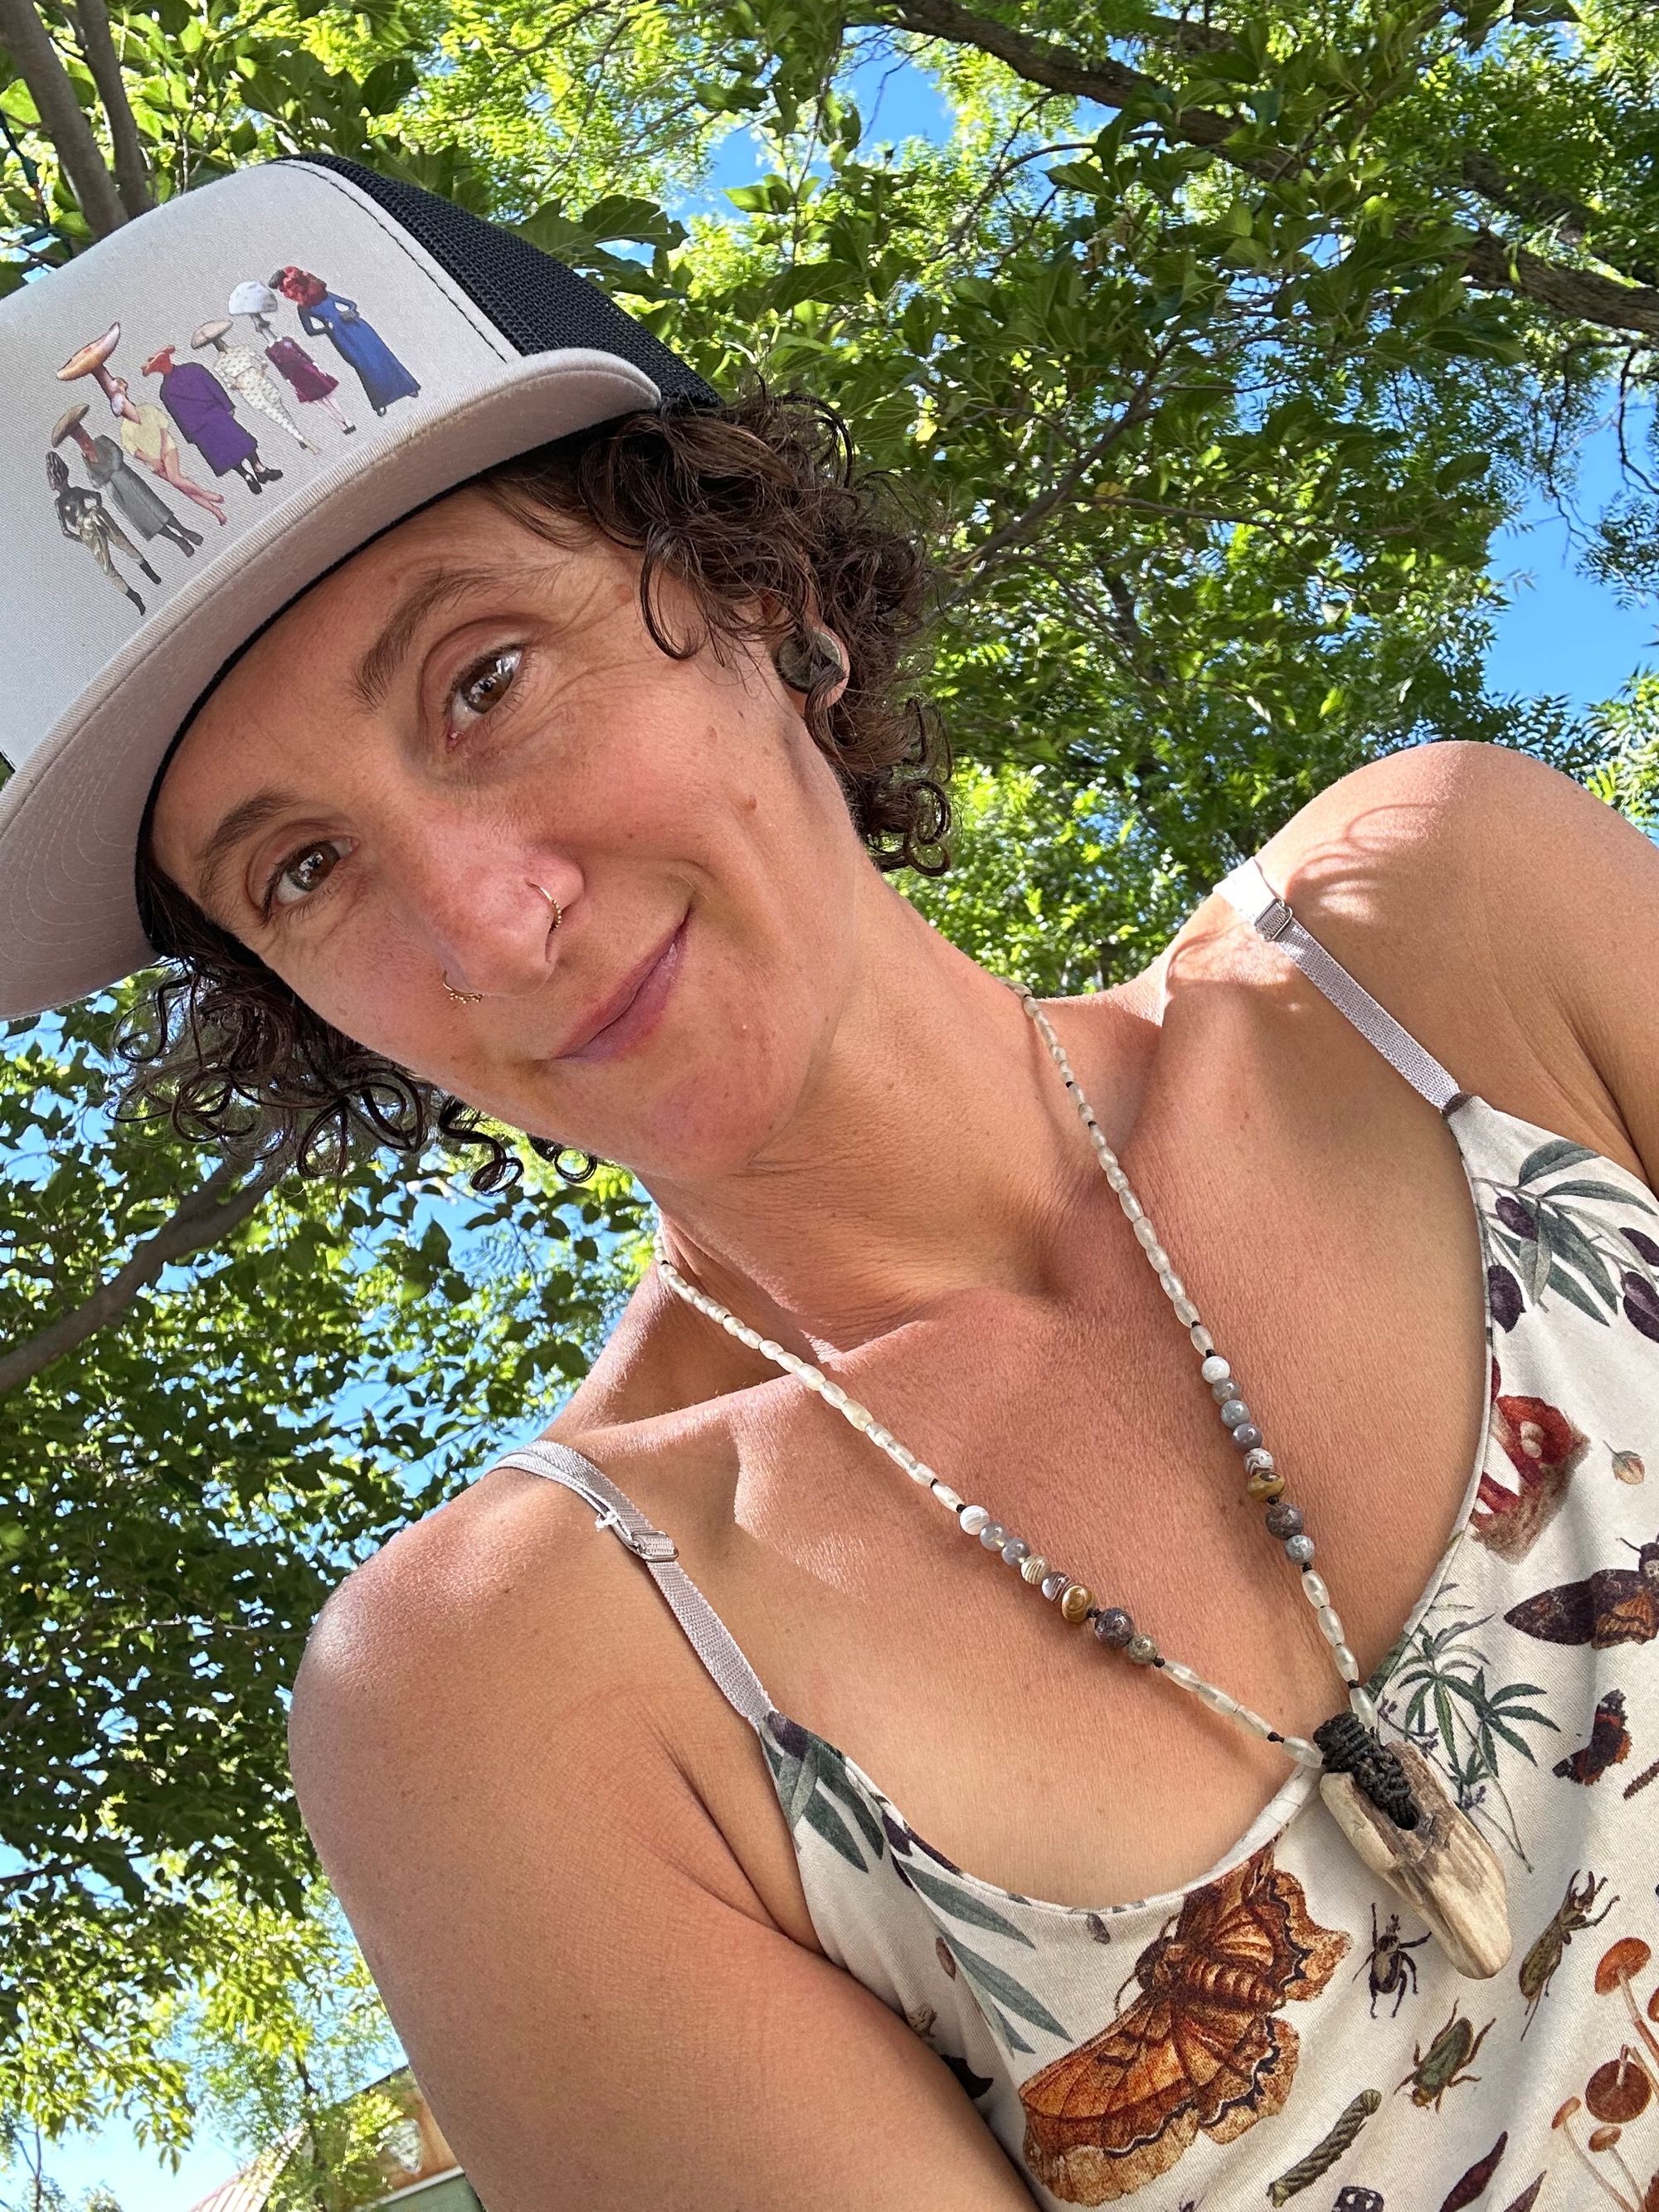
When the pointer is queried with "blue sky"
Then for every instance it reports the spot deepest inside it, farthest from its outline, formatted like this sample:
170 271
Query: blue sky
1563 633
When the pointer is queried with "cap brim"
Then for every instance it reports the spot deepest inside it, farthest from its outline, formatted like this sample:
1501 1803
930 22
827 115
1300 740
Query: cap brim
70 815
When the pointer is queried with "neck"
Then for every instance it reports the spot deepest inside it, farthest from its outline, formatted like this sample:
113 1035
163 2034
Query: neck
934 1153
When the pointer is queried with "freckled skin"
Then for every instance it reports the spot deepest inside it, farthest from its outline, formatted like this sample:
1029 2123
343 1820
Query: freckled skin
627 784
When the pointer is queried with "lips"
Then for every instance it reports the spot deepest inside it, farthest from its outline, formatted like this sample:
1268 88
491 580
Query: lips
619 1001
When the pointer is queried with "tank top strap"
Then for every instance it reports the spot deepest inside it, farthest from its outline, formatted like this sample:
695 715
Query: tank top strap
1248 889
710 1638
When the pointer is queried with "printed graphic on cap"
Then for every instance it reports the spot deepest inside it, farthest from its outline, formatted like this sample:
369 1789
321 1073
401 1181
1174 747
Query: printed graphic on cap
331 314
197 407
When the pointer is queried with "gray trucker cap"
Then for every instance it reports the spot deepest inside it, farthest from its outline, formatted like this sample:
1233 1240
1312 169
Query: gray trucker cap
205 412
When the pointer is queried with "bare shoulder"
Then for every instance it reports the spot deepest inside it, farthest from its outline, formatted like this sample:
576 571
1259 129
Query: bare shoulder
1495 907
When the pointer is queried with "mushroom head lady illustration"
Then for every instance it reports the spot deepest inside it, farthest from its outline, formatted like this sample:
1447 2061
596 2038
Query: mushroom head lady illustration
204 413
311 386
145 432
145 512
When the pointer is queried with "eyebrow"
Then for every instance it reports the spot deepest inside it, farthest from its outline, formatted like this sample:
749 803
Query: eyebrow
243 819
369 681
431 589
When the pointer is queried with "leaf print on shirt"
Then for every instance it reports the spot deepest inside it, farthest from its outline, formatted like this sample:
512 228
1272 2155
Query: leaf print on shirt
1558 1238
1543 1447
1199 2048
1444 1669
813 1786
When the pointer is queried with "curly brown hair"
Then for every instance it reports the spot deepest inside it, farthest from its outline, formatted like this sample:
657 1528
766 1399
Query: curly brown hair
755 504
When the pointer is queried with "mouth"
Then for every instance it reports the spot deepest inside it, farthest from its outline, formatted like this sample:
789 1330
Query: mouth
632 1011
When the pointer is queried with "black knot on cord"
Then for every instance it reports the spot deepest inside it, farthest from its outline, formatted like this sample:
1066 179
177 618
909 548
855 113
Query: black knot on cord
1350 1748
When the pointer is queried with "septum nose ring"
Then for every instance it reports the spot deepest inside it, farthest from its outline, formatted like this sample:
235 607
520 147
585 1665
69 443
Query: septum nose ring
477 998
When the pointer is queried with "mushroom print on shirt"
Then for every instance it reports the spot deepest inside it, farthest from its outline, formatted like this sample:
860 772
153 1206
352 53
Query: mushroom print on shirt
331 314
1285 2029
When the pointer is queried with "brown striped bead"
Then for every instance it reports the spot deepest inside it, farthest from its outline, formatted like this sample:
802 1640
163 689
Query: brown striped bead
1263 1487
1074 1606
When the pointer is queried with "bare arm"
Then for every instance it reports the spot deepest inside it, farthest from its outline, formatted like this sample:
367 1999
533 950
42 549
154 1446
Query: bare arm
593 1997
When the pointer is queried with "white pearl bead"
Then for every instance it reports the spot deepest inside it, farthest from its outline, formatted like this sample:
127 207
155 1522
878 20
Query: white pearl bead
835 1395
1181 1673
1186 1311
1130 1203
1360 1704
1201 1339
1217 1699
1116 1176
1254 1722
1314 1589
1215 1369
861 1417
1346 1665
923 1474
1171 1285
1330 1624
974 1519
1157 1259
945 1495
1304 1753
1144 1233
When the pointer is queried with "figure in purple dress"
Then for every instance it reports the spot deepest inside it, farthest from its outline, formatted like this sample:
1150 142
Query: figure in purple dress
201 407
329 314
311 386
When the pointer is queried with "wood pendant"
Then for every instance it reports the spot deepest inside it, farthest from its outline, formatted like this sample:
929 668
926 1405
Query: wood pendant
1444 1868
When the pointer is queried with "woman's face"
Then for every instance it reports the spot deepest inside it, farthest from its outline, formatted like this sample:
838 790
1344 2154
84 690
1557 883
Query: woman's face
463 718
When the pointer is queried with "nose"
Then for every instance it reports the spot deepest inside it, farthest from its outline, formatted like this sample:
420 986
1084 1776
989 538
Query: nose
487 921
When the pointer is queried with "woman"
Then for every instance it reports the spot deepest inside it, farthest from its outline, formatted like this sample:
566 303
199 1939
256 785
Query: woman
311 386
597 847
83 518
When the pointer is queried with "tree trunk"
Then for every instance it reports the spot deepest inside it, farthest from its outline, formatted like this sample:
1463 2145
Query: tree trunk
27 39
91 20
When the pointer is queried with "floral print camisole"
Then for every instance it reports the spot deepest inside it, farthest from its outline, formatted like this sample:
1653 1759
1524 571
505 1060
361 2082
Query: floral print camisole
1285 2029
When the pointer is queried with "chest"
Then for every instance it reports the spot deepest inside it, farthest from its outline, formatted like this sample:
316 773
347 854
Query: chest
1353 1314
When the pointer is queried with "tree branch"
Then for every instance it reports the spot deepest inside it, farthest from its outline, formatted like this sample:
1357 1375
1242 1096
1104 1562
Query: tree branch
200 1220
1580 293
29 43
91 21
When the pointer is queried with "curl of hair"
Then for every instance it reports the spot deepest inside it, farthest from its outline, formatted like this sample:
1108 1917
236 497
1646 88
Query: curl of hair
757 508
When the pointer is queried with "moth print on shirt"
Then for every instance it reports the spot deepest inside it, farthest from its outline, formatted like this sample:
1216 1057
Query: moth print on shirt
1614 1604
1199 2048
1543 1447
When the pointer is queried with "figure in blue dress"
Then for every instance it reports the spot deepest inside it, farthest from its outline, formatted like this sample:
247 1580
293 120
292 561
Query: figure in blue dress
329 314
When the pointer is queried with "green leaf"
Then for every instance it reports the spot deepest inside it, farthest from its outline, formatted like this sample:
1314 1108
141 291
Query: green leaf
1559 1152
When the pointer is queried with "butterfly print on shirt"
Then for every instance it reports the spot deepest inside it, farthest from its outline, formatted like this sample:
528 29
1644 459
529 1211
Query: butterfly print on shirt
1199 2048
1609 1742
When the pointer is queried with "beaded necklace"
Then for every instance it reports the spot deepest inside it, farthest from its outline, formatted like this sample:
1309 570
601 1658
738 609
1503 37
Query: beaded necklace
1387 1799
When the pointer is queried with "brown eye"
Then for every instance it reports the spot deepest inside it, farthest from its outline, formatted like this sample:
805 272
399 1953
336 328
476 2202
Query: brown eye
484 685
298 871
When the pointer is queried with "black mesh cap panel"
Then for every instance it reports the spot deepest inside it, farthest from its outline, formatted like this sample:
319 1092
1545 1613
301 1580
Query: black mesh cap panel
534 300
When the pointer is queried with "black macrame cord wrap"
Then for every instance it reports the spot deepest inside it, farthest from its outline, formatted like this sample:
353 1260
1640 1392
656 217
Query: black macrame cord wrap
1350 1748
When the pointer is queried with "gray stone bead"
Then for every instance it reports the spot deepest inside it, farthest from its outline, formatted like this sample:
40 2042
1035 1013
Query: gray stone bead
1015 1550
1284 1519
1113 1626
1224 1389
1141 1650
993 1535
1234 1413
1053 1585
1247 1436
1301 1549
